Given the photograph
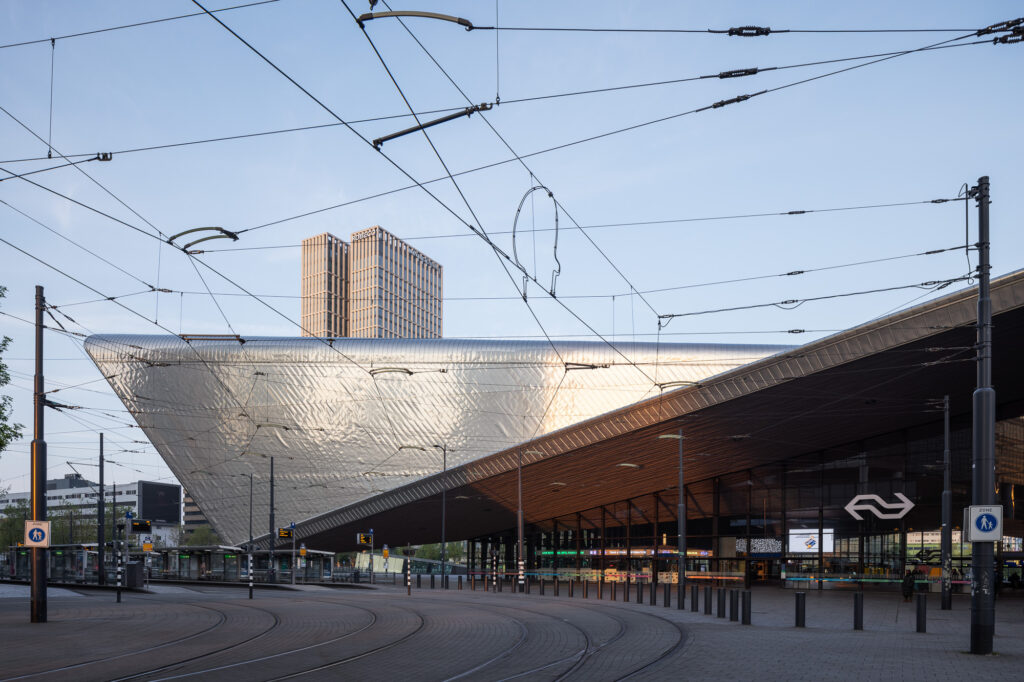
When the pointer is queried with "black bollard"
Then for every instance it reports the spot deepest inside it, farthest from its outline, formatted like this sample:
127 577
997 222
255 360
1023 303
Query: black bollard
694 592
654 594
431 581
526 584
600 587
541 586
801 609
460 582
858 610
499 581
556 586
734 605
667 597
720 611
707 600
572 587
419 580
615 588
922 612
639 593
746 607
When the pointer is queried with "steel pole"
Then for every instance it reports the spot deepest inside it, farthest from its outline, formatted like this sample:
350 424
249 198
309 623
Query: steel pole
444 507
984 479
101 527
522 560
947 515
250 535
681 530
271 572
38 605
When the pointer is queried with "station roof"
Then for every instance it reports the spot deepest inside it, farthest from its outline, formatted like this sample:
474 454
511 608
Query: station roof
851 386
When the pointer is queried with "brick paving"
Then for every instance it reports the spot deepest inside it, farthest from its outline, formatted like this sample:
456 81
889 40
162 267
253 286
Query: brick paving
215 632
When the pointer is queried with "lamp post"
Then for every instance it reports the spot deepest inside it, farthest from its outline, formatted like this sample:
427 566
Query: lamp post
444 502
519 526
680 525
250 536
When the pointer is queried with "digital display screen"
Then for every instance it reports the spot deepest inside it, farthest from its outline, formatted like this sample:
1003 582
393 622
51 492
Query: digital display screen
160 502
806 541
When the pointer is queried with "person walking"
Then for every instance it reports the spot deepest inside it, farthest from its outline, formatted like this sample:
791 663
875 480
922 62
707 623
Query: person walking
908 586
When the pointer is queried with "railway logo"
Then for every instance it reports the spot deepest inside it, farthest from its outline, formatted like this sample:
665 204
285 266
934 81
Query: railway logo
879 507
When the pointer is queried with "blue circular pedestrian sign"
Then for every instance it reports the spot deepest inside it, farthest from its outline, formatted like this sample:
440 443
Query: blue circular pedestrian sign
37 535
986 523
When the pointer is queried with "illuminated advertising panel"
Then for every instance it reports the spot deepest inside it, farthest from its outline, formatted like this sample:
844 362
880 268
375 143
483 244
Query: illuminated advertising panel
807 541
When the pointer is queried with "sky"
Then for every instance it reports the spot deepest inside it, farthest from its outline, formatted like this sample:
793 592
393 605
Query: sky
635 171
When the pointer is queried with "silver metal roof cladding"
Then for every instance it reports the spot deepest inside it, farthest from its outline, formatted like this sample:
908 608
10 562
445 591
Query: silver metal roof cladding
347 419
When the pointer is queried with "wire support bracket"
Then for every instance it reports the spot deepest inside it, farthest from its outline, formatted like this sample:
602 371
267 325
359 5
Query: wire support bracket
747 31
468 111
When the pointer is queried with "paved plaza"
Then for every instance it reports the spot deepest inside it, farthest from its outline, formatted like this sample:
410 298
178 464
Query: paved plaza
216 632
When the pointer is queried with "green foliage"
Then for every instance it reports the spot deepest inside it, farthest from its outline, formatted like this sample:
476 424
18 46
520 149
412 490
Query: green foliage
8 432
456 551
12 523
202 535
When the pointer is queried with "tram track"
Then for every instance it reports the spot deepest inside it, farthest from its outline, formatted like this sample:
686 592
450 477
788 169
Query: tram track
82 664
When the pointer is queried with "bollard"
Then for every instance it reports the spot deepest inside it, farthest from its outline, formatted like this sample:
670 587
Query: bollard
922 612
541 581
734 605
498 582
720 611
639 593
746 607
572 587
801 609
472 583
654 594
615 588
460 582
586 588
431 581
667 597
694 592
419 580
858 610
707 600
556 590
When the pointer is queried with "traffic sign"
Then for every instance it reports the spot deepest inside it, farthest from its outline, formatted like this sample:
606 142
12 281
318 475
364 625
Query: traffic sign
984 523
37 533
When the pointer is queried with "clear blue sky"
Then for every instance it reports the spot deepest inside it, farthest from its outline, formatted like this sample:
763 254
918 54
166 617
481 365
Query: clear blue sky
912 128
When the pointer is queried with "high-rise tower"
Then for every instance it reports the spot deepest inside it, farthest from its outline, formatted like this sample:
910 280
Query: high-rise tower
377 287
325 299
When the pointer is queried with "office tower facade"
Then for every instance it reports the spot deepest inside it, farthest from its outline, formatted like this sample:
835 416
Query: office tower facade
376 287
325 300
395 289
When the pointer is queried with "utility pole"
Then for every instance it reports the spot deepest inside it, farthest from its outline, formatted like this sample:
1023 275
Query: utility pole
984 445
681 529
39 559
101 529
250 535
271 573
947 515
522 561
117 545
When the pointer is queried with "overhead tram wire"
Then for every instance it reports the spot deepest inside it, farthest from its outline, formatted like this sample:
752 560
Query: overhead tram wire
529 170
735 73
790 304
481 232
742 31
642 223
80 170
134 25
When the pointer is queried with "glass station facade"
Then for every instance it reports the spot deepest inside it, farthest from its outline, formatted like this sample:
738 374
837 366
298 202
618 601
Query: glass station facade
785 522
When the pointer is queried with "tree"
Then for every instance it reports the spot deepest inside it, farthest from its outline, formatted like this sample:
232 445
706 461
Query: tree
12 523
8 432
200 537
